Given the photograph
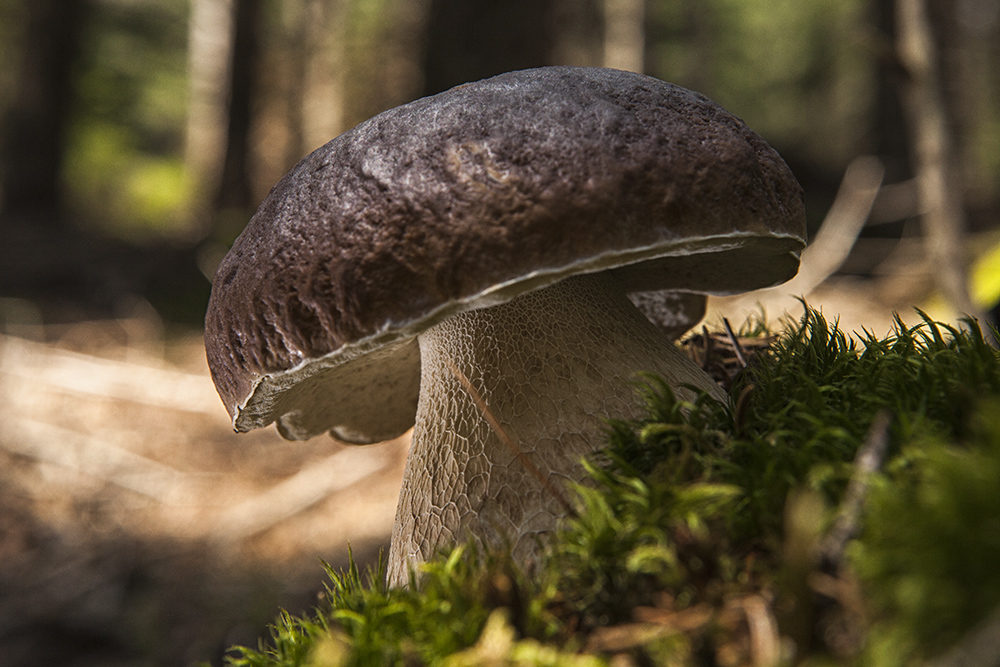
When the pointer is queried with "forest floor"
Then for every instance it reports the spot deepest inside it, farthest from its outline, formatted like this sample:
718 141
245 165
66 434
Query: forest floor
137 529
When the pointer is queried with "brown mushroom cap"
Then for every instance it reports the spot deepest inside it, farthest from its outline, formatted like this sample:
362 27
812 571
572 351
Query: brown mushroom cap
466 199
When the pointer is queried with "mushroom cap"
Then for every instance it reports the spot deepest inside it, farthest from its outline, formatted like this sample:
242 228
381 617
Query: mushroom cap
466 199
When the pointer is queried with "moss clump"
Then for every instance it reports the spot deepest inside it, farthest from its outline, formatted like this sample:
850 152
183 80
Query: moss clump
701 539
929 552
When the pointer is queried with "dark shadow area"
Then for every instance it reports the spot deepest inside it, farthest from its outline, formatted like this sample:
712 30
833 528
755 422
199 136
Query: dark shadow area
99 596
73 275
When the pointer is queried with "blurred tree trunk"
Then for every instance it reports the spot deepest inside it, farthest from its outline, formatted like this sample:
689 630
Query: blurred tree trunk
35 130
933 149
210 40
891 141
234 188
579 33
469 40
969 34
315 107
300 48
625 34
380 56
322 99
235 199
700 21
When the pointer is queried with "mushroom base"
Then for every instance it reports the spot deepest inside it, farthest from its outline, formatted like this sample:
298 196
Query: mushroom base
550 366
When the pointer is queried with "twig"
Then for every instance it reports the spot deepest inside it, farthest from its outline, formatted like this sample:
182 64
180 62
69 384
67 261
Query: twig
507 440
96 458
868 459
104 378
707 342
833 243
765 643
297 493
737 348
841 226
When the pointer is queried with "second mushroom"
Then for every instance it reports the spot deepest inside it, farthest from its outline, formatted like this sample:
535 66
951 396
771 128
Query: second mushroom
469 257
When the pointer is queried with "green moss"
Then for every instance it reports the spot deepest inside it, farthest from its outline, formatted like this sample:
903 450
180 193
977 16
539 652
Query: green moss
929 554
703 520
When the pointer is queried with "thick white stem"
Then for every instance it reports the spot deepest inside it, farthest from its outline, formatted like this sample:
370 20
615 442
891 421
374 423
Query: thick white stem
551 366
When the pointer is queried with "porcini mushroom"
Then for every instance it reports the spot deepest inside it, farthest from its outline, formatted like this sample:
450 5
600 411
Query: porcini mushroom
473 252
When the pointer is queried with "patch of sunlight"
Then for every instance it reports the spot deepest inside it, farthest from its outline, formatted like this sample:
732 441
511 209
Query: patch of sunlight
125 191
984 281
157 191
985 277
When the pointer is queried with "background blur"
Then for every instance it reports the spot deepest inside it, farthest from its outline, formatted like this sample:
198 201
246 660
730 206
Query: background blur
137 138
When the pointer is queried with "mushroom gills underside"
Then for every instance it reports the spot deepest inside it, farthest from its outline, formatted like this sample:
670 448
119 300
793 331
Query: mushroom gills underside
550 367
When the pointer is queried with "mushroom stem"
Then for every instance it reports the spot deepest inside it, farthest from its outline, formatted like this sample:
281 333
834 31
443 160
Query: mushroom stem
551 366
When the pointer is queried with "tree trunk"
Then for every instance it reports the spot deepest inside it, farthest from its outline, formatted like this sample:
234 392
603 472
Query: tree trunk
468 40
889 131
210 42
624 34
322 99
235 195
578 35
940 196
35 130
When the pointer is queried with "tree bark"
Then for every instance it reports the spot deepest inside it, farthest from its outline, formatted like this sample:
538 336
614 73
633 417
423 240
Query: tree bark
889 128
468 40
624 34
235 193
578 33
210 42
940 196
322 100
34 138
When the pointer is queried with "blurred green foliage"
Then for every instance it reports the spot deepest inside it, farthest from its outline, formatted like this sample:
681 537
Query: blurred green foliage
796 72
801 73
125 162
929 553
